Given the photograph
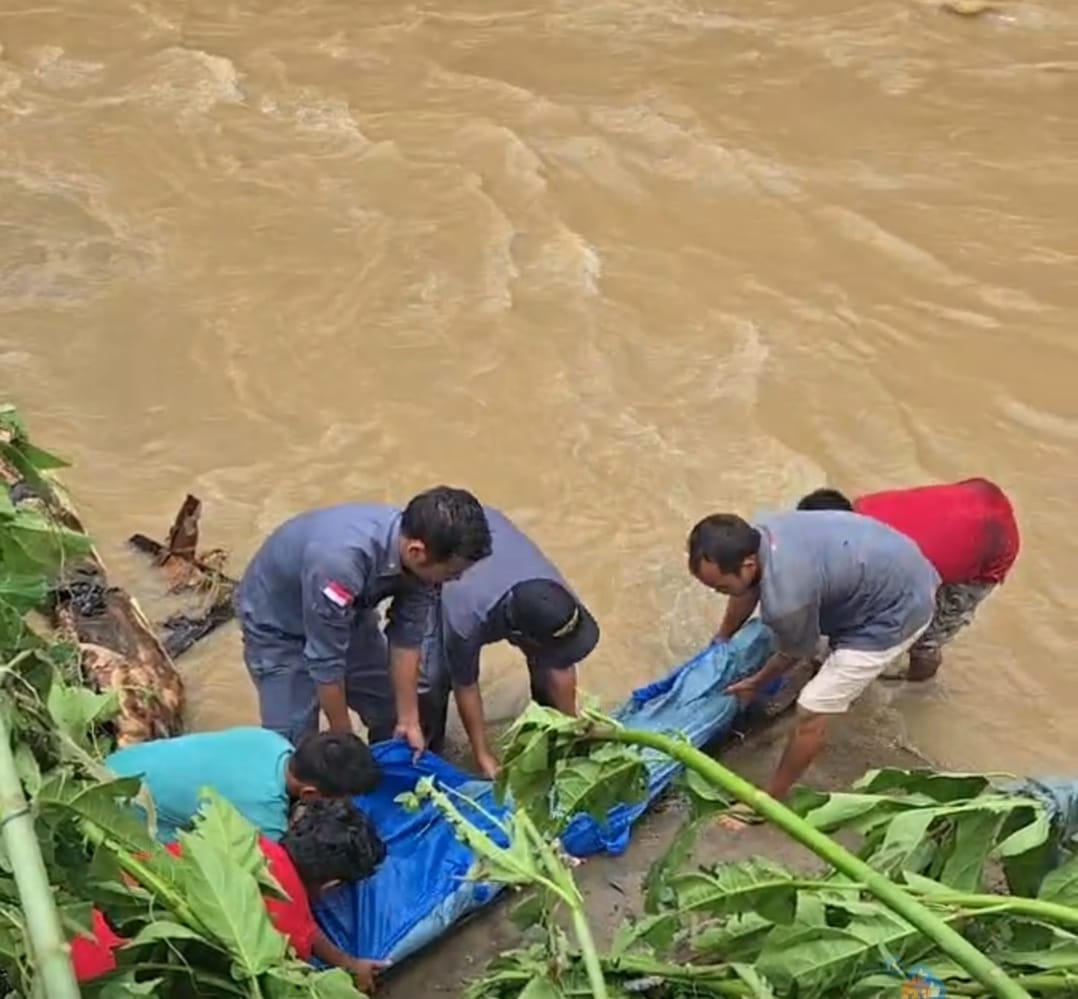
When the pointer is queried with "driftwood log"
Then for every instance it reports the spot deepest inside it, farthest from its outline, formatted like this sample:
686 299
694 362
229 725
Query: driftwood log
119 649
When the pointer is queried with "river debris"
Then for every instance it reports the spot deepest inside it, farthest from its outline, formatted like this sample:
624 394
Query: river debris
119 650
187 569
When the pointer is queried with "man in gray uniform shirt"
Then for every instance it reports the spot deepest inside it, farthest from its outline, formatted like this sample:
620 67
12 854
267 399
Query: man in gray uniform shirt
863 586
307 606
517 596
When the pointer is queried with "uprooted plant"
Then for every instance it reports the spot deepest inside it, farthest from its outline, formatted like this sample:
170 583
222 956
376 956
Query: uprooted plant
71 841
912 907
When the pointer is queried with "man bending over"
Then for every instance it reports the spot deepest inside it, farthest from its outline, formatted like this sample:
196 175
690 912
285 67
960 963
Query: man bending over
861 585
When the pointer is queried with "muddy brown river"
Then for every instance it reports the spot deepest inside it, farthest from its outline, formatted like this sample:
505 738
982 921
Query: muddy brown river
613 265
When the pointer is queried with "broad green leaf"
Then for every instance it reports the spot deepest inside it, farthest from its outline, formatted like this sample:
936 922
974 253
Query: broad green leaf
1060 956
973 837
738 938
904 834
165 929
126 987
98 803
652 933
941 787
22 592
751 886
77 917
42 460
669 864
706 798
42 544
541 988
7 507
227 900
1061 885
759 988
219 822
592 785
1029 836
816 958
856 810
77 710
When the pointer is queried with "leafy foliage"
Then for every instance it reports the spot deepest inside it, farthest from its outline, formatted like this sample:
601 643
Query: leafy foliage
196 924
756 929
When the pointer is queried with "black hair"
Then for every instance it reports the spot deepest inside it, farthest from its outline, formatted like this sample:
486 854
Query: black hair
339 764
450 523
722 538
824 499
332 840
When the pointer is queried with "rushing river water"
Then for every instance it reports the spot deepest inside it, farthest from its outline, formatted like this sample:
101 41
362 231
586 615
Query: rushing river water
613 265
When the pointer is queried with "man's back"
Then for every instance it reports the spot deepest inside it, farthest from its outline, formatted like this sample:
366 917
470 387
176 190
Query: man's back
246 765
967 529
865 585
468 601
361 537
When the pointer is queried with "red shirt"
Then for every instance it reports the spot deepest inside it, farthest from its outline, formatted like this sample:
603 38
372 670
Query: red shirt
93 956
966 529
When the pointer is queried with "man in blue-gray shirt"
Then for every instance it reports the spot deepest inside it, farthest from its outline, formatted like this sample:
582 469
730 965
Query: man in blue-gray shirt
307 606
850 580
518 596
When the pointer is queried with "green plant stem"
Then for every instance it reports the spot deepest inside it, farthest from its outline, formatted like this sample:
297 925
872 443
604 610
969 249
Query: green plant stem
976 902
147 878
1036 983
570 894
952 943
51 956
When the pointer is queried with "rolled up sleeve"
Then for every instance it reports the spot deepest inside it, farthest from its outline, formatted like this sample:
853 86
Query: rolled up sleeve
462 658
410 614
332 585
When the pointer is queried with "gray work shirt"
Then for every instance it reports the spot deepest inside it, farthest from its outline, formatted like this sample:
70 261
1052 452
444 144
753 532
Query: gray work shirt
318 570
472 607
850 578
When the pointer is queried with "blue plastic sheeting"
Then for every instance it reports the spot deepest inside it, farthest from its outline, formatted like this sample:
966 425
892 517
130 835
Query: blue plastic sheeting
421 890
1059 795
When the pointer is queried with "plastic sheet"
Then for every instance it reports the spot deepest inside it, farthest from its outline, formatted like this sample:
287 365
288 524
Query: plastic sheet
421 889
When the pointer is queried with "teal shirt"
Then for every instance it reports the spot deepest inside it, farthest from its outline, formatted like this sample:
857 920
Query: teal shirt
248 766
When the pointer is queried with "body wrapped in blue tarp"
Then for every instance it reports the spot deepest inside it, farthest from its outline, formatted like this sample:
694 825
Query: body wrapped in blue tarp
421 889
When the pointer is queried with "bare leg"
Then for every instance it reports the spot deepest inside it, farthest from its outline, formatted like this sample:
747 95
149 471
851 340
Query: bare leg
805 744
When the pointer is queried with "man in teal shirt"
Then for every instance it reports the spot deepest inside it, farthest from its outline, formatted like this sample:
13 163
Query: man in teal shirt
260 772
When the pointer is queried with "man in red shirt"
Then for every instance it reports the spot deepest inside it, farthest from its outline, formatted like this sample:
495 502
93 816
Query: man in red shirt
329 842
966 529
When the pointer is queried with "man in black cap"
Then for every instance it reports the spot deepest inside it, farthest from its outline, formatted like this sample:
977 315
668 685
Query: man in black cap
515 595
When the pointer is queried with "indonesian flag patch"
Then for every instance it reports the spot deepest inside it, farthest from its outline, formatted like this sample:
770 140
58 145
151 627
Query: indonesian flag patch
337 594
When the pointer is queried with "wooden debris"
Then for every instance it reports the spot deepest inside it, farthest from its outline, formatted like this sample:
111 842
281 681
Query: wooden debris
120 650
187 569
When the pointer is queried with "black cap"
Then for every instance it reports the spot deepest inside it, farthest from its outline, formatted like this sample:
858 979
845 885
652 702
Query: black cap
549 618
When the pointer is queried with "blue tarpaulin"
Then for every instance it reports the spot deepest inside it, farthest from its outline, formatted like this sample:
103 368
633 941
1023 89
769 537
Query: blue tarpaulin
421 890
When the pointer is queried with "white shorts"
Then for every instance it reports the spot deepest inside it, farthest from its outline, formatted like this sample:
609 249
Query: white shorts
846 674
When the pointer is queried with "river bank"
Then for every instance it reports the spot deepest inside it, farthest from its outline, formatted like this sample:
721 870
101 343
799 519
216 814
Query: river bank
873 735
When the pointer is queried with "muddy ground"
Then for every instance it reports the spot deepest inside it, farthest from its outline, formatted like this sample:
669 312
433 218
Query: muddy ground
871 736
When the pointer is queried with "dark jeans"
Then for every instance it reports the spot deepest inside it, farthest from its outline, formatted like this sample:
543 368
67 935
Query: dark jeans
434 709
